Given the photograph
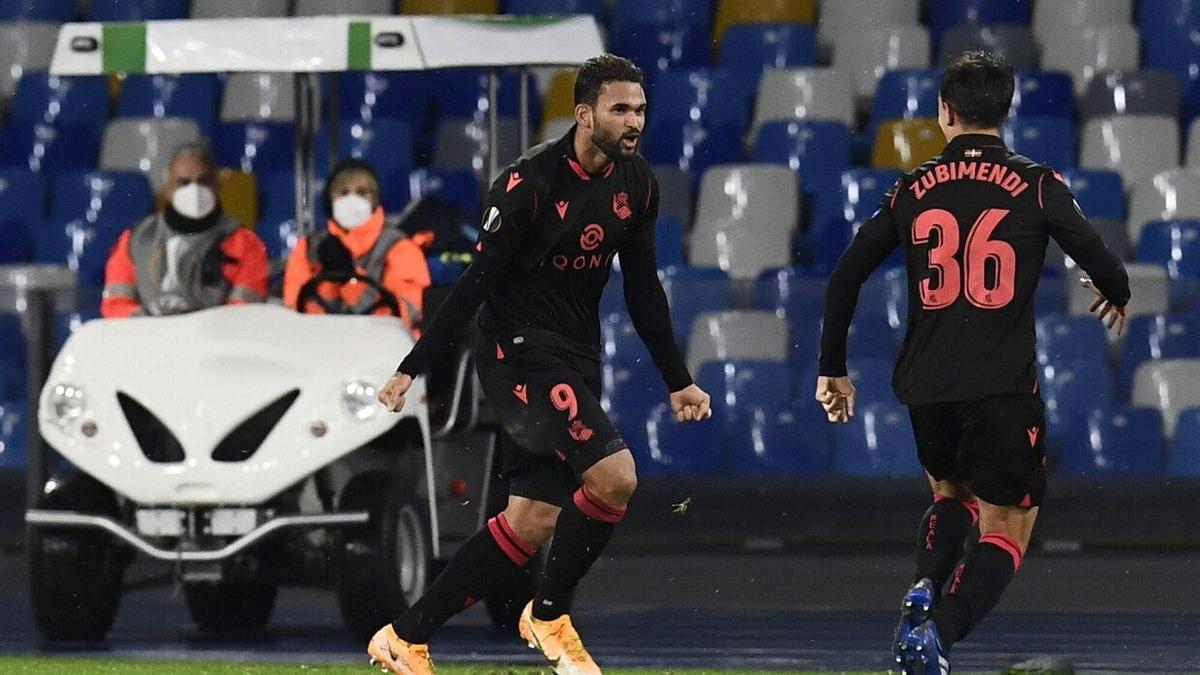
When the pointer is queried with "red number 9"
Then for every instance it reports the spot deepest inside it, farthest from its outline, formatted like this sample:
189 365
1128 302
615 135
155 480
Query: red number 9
563 398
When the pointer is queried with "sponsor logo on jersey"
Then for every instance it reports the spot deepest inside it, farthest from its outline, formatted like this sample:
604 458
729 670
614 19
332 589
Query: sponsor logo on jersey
621 205
492 220
591 238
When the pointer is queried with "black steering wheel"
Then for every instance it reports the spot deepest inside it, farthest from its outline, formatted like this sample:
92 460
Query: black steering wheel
383 297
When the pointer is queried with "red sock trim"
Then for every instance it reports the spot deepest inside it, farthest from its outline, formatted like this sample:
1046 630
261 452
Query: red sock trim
507 545
1007 544
597 509
512 536
973 507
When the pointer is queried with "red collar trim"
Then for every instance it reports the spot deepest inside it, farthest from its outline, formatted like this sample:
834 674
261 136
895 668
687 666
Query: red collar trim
583 174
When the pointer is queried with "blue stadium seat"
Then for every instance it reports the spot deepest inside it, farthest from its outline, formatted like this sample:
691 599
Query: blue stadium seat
87 308
692 148
1114 441
81 245
597 8
630 391
710 96
873 336
818 152
797 296
463 92
738 386
1156 16
629 13
194 96
943 14
860 193
675 448
255 147
620 343
387 146
1156 336
1183 457
885 295
753 48
101 195
1046 140
14 436
781 439
872 380
1050 296
668 242
1100 193
22 197
1043 94
137 10
1175 244
45 149
905 94
15 246
1176 50
58 11
692 291
453 186
59 101
659 48
1072 388
877 442
399 94
12 357
1066 337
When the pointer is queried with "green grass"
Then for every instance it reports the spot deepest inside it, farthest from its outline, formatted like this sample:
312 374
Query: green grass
37 665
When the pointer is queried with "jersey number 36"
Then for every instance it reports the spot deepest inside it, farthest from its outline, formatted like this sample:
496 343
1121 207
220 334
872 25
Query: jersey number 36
990 268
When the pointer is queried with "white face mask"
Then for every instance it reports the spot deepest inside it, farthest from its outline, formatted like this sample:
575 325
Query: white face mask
351 211
194 201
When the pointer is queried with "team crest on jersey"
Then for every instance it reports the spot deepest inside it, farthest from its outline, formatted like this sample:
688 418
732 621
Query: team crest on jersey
492 220
621 205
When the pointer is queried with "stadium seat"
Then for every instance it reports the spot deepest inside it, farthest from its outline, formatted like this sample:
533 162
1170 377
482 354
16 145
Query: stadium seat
1040 93
1090 50
1114 441
81 245
744 219
737 335
1192 152
457 187
692 291
1156 337
877 442
1071 388
464 93
675 198
1014 43
463 143
387 145
42 148
1098 192
15 246
14 436
1148 284
862 190
194 96
1050 297
232 9
730 13
597 8
24 47
57 11
1051 19
56 101
137 10
22 197
751 49
738 385
804 93
12 357
1156 16
878 50
945 14
1183 456
238 192
101 195
905 94
1170 385
1066 338
626 13
779 439
255 147
712 97
335 7
691 147
656 48
1046 140
1174 50
668 241
145 144
629 393
906 144
620 344
447 7
1173 244
817 151
791 293
1135 146
1169 195
259 97
847 19
677 449
1122 92
558 101
401 95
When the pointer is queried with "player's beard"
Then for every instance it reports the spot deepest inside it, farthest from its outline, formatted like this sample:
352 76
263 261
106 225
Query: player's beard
610 145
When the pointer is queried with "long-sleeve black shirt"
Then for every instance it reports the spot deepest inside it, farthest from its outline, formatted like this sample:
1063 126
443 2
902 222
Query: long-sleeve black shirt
974 223
550 233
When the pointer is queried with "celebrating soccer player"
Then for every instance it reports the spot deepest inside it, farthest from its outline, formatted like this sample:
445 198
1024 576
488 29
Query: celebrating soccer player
552 223
973 223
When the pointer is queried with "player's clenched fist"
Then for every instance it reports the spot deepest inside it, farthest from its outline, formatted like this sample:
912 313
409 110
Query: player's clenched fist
838 397
392 393
691 404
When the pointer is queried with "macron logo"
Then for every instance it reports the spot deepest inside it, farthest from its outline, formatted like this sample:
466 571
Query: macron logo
514 179
1033 434
562 209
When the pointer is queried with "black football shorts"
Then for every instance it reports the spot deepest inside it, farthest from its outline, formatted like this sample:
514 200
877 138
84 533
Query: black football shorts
548 404
995 445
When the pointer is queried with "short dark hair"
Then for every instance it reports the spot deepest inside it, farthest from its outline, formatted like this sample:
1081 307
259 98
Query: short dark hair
599 71
978 86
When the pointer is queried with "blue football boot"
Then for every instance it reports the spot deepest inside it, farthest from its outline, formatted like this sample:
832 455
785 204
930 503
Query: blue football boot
922 652
914 610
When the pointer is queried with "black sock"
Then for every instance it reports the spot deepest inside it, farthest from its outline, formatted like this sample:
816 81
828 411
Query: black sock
491 557
941 536
583 529
977 586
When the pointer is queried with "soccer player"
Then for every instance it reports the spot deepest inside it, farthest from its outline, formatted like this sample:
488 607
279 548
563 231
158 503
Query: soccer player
973 223
553 221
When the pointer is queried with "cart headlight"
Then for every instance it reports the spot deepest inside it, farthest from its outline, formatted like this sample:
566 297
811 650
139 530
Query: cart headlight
67 402
358 400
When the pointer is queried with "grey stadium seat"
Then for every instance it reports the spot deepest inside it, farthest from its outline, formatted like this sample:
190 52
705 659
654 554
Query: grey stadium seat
878 50
259 97
145 144
846 19
1111 231
1168 195
1149 286
555 128
334 7
1135 146
746 334
237 9
1192 154
23 46
804 93
462 143
1171 386
745 217
1014 43
1051 18
1085 51
1124 92
675 193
